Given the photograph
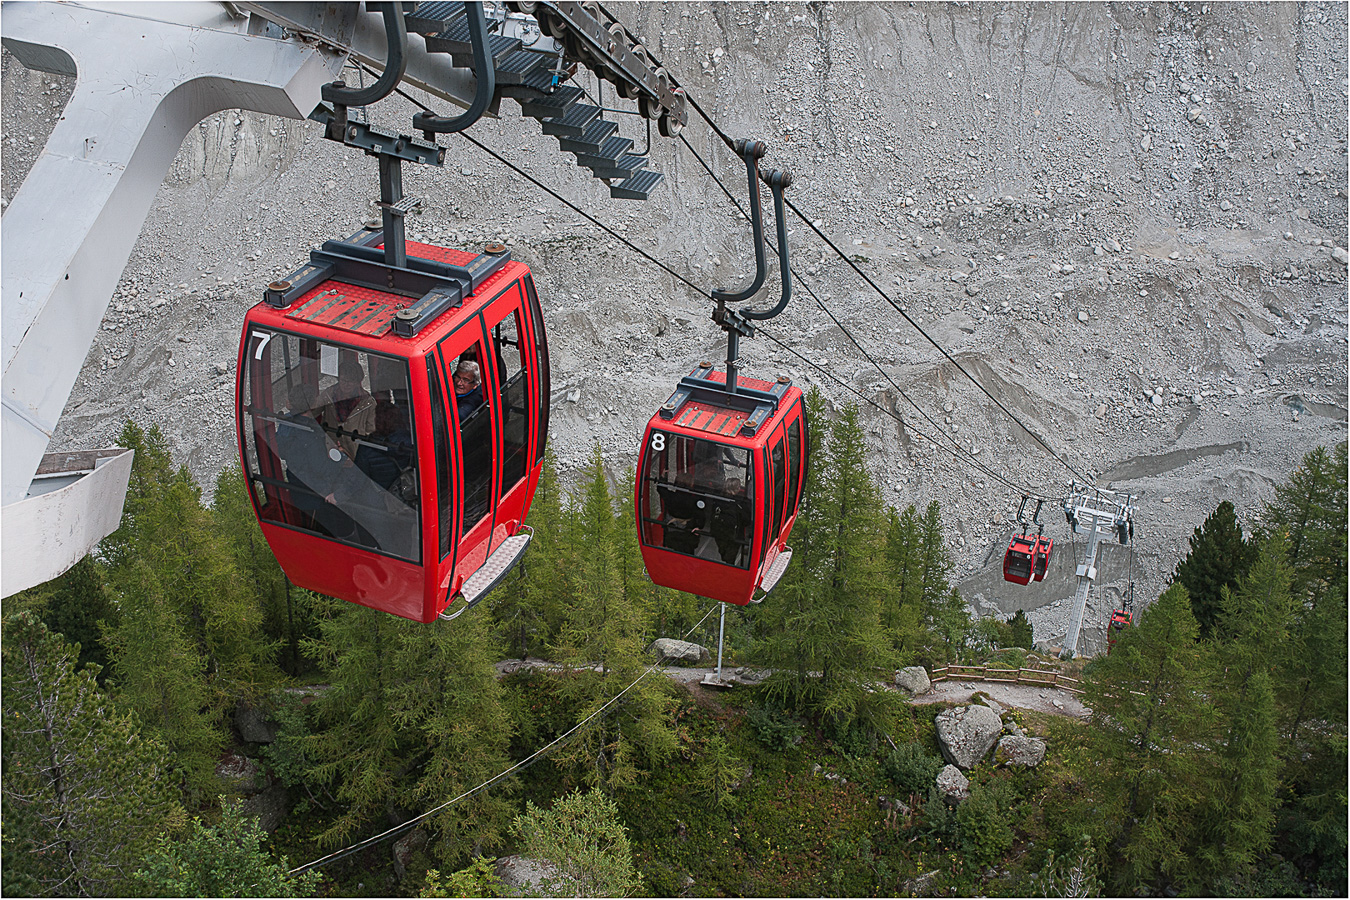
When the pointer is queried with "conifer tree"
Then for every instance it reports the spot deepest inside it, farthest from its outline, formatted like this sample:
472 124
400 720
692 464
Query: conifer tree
287 613
1144 764
904 616
584 839
158 672
90 791
414 717
73 605
527 607
831 621
1239 811
1021 630
1219 556
1310 512
166 527
603 638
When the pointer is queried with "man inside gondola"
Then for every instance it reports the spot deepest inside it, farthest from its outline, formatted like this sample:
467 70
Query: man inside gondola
468 389
682 513
348 410
313 463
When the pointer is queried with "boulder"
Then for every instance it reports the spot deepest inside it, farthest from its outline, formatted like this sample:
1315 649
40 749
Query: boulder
253 724
405 847
241 774
953 786
913 680
679 651
965 734
270 807
523 875
1020 750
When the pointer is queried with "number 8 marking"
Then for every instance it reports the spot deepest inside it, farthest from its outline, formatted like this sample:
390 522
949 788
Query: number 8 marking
658 441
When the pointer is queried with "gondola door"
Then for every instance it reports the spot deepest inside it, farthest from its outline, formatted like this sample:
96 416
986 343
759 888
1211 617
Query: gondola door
466 521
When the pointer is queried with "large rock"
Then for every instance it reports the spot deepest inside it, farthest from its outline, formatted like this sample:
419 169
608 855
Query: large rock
269 807
405 847
913 680
966 733
241 774
253 724
953 786
679 651
523 875
1020 750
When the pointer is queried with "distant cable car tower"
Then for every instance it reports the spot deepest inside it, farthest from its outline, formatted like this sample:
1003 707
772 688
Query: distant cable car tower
1098 513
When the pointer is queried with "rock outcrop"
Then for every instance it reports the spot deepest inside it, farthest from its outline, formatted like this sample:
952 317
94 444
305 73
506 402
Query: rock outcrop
967 733
953 786
1020 750
913 680
679 651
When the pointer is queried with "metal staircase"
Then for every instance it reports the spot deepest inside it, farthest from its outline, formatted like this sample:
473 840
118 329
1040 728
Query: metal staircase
535 77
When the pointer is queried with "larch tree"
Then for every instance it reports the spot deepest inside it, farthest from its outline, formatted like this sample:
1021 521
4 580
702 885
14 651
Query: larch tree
831 620
903 614
91 792
166 527
602 641
527 606
159 672
1253 626
1150 727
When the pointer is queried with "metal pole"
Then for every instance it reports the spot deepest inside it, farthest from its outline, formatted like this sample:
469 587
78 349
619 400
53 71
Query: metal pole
721 629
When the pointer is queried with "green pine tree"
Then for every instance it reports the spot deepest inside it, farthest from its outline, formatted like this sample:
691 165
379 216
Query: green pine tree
1144 763
166 527
414 717
603 638
1021 631
89 791
73 605
527 607
158 671
287 615
903 616
1219 556
826 642
1239 811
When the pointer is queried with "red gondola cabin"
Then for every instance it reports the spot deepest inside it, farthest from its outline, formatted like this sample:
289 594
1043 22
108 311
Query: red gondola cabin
1041 557
1018 561
718 485
392 420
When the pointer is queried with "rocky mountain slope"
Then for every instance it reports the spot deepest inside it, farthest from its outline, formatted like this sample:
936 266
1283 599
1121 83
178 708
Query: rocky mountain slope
1128 221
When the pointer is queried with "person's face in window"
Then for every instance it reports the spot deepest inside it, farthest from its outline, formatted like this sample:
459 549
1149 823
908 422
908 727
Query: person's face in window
465 384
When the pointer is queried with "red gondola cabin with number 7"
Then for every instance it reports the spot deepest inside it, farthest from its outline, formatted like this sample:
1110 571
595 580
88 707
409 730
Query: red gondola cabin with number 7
392 419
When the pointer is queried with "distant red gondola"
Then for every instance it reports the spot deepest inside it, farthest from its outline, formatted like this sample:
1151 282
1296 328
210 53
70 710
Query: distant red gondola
1120 620
379 476
718 485
1019 560
1041 557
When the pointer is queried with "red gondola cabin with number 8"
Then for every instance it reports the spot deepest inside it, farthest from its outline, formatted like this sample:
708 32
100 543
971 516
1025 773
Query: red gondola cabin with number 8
392 419
719 481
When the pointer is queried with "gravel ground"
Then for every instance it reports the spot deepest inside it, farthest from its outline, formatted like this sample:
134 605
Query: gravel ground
1128 221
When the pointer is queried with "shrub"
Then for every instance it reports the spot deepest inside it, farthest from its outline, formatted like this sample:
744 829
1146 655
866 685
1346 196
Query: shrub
912 769
775 729
983 827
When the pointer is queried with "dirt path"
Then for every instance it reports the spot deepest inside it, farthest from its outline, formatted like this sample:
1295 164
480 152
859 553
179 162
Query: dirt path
1050 700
